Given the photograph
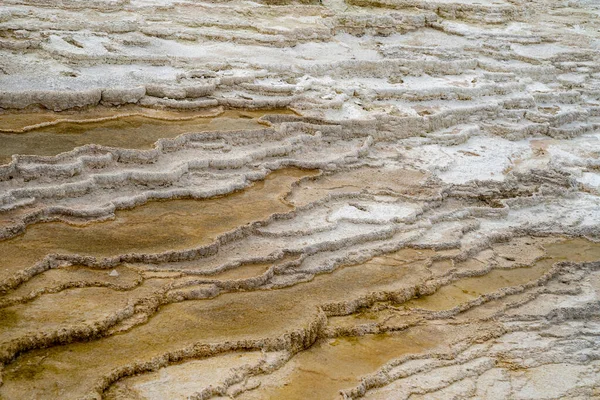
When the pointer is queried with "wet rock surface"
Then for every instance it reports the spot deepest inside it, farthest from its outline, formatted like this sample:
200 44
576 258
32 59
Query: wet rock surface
381 199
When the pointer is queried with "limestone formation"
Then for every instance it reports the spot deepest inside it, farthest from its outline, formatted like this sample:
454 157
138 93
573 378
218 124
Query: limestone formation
379 199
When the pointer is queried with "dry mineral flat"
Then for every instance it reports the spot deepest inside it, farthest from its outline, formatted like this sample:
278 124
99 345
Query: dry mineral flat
333 199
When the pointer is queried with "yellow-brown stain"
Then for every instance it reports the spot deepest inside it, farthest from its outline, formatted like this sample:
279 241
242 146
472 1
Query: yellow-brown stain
155 227
127 131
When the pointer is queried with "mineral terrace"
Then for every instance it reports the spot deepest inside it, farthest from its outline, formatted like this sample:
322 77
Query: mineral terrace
312 199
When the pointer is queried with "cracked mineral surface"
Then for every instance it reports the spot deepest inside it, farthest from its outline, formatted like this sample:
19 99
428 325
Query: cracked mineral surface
299 199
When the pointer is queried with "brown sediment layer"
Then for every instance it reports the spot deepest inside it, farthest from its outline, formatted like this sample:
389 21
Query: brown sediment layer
333 364
438 253
254 313
469 289
239 317
66 277
27 120
153 228
128 131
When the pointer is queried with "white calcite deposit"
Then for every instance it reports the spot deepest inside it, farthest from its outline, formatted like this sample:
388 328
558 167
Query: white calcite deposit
381 199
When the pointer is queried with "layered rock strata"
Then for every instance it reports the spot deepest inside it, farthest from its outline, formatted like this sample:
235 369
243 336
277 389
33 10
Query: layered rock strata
381 199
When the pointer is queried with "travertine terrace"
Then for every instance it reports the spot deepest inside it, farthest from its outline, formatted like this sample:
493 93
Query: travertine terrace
312 199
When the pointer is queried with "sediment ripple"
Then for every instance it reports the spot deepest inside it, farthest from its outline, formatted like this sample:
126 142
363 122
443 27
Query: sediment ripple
382 199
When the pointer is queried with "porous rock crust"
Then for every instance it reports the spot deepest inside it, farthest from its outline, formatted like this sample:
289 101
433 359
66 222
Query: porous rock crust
424 225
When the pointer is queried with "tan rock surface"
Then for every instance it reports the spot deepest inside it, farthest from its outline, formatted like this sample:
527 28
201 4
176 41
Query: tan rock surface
388 199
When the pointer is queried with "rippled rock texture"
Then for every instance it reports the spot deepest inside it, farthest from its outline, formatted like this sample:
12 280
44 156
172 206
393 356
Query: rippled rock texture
381 199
